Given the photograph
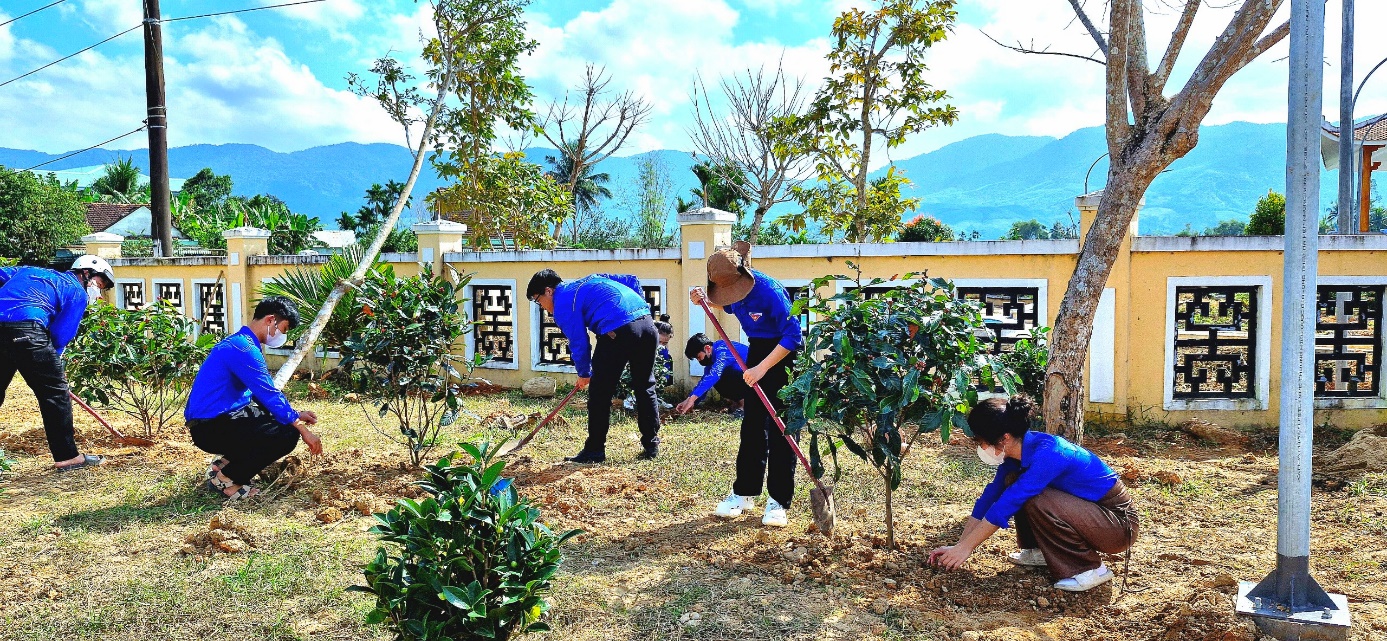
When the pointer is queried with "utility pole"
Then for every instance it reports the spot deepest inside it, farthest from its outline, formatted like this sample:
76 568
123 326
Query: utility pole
1288 604
1346 219
161 221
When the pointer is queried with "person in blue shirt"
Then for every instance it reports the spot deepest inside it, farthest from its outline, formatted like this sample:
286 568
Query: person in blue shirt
40 311
236 412
620 318
720 371
1068 504
761 305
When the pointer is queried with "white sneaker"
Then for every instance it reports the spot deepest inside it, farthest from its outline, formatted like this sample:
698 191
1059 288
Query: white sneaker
775 515
1031 557
733 506
1085 581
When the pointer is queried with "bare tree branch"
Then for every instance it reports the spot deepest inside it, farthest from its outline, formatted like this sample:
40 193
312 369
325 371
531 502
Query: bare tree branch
1177 42
1268 41
1088 24
1019 48
1116 112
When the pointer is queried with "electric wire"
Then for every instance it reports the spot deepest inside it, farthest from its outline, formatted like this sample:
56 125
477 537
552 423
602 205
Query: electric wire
51 4
224 13
74 54
69 155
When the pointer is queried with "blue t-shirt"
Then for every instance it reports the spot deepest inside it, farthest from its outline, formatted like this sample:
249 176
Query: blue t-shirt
765 313
723 364
233 373
1046 461
56 300
595 304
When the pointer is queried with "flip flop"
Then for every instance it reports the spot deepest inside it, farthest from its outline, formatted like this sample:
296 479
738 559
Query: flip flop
88 460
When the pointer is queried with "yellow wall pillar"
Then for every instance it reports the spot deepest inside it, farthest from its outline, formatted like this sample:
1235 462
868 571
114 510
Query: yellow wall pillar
240 290
103 244
439 237
1110 346
701 232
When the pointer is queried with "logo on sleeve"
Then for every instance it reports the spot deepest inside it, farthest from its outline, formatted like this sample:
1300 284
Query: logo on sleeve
755 317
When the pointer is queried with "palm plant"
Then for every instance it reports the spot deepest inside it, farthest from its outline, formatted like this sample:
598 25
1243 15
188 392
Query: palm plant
589 189
309 288
120 183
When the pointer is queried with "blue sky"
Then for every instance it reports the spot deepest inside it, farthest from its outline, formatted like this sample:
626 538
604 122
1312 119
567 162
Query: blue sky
276 78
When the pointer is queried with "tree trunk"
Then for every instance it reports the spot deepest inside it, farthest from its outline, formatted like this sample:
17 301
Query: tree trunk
1064 381
890 518
756 219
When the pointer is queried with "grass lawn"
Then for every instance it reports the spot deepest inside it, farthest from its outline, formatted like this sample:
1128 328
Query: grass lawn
122 551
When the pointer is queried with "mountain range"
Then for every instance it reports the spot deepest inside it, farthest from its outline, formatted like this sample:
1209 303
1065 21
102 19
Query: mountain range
983 183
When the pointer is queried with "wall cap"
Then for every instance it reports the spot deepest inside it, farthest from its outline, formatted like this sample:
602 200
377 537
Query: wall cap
103 237
561 255
1093 198
246 232
440 227
1367 242
950 248
706 216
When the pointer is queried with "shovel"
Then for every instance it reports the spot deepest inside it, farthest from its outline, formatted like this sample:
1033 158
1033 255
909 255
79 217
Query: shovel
120 438
509 447
821 497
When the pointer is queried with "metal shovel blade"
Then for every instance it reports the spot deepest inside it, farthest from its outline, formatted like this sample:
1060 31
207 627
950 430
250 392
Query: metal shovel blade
821 503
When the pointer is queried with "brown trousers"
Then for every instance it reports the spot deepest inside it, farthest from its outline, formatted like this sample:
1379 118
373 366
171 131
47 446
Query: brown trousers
1071 531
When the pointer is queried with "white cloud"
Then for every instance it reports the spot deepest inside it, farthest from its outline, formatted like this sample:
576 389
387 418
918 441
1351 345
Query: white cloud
110 15
333 16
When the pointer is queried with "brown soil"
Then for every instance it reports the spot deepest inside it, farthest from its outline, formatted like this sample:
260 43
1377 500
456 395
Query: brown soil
1364 453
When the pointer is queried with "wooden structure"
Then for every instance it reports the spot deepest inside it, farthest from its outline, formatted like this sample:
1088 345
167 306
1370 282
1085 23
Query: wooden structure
1370 151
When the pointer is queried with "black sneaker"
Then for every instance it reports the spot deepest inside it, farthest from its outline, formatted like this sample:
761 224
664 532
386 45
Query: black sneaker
649 454
587 457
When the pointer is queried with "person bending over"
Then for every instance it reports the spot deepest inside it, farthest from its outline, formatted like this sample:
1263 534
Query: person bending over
759 302
1068 504
720 371
234 409
620 318
40 311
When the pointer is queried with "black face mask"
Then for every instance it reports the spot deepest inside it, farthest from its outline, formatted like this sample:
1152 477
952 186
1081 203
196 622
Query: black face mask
706 362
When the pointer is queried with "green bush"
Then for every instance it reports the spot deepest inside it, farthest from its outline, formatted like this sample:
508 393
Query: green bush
879 370
925 229
140 363
1269 219
1029 360
472 561
403 357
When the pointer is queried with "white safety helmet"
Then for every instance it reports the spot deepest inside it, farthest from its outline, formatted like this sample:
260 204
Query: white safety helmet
98 265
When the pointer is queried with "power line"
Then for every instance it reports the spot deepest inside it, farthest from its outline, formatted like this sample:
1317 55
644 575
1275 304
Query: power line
74 54
64 157
51 4
224 13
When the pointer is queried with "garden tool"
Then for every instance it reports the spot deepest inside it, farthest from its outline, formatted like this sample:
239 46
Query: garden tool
821 497
120 438
512 445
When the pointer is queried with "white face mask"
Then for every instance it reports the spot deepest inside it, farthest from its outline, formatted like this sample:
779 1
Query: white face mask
989 457
93 292
276 339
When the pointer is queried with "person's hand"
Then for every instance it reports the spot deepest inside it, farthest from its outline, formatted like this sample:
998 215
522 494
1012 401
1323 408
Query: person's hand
696 295
315 444
753 376
949 557
308 418
687 405
583 382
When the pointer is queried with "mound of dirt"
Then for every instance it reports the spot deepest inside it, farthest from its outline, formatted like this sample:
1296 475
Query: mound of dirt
226 532
32 442
1213 432
1361 455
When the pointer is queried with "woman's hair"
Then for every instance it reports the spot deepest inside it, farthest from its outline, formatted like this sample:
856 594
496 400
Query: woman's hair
664 328
997 416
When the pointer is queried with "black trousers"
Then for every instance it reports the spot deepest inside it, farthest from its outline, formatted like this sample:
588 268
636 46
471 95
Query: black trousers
249 438
27 348
732 387
634 343
763 452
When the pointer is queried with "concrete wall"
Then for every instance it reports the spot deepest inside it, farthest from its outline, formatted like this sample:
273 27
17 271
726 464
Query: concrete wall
1130 361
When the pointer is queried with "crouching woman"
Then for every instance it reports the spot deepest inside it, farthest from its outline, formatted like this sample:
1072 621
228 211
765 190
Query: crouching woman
1069 505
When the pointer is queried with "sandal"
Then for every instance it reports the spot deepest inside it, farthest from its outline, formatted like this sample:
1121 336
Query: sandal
88 460
215 467
219 488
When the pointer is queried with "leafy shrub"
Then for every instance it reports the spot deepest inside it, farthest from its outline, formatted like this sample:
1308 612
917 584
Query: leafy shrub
5 462
880 370
925 229
309 288
472 561
140 363
1269 218
403 354
1029 360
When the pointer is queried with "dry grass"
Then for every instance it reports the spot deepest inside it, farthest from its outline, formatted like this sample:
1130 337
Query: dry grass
96 555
